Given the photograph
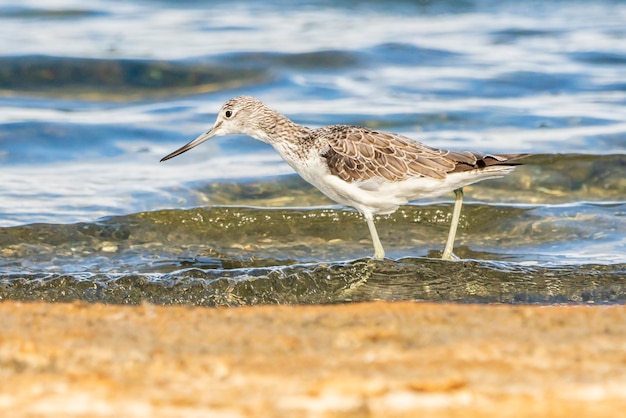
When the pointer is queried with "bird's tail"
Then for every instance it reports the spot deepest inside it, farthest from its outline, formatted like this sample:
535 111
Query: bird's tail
491 160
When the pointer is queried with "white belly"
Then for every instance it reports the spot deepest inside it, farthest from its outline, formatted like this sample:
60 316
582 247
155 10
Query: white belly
380 196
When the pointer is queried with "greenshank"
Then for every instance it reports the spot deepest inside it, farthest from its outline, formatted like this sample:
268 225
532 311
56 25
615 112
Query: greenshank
373 171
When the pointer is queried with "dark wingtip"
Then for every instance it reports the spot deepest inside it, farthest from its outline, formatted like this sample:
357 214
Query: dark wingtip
489 160
508 159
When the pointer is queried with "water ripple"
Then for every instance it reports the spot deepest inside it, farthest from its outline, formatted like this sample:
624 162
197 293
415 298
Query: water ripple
93 95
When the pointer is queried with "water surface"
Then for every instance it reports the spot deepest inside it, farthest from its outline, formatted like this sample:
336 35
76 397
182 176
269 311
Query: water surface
93 94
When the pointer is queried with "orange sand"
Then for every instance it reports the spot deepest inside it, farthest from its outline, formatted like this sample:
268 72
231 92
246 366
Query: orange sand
359 360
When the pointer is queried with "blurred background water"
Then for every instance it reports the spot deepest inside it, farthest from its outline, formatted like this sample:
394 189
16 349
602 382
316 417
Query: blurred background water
93 94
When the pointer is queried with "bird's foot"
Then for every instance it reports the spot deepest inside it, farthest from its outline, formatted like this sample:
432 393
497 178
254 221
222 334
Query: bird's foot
449 256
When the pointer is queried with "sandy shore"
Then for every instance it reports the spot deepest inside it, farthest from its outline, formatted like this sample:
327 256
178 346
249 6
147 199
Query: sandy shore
360 360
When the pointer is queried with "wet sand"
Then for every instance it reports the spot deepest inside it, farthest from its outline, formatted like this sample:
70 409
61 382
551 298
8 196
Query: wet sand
360 360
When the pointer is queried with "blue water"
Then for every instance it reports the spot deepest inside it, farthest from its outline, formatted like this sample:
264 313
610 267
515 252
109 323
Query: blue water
93 94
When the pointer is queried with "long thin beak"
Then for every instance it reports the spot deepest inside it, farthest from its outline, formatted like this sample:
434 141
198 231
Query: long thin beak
199 140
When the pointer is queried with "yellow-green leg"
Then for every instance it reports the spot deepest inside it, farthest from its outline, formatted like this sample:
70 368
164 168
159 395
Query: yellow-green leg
379 251
456 215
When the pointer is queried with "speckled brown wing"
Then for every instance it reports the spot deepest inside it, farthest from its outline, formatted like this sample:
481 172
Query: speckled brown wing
358 154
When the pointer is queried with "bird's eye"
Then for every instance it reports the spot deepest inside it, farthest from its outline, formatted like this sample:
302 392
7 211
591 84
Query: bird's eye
228 113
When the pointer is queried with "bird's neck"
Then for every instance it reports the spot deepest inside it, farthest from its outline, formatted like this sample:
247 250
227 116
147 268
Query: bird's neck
292 141
278 129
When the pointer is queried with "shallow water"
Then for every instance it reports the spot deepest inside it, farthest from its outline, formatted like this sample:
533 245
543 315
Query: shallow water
93 95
